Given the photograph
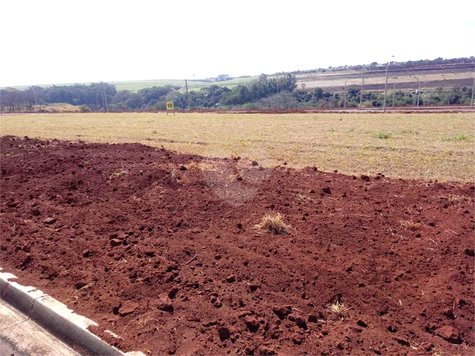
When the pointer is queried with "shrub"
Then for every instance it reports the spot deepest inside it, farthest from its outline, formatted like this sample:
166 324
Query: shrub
250 106
160 106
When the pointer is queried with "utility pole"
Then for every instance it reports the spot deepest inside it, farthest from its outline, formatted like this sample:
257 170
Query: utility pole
418 92
344 102
361 91
36 102
473 89
187 94
386 87
105 99
394 92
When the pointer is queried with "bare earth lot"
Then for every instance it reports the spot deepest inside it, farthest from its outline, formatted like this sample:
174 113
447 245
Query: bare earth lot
162 249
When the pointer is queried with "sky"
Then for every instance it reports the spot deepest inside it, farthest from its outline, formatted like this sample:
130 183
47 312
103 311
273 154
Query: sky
47 41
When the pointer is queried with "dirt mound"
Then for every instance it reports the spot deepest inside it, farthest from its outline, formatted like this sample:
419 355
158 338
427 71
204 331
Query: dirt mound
135 238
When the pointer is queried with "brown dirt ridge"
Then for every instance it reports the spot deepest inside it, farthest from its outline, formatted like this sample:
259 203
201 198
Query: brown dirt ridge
135 238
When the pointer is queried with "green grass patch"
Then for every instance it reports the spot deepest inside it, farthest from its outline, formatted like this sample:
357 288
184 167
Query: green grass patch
407 131
382 135
461 137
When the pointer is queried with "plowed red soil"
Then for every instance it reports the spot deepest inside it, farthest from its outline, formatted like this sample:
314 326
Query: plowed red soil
137 239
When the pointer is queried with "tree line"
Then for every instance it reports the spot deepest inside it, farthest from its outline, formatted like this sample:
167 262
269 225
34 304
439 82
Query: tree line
263 93
104 96
395 65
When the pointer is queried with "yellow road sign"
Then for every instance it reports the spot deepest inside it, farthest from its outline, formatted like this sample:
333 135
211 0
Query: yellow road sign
170 105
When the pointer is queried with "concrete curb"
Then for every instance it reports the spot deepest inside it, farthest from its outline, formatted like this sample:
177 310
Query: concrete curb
56 317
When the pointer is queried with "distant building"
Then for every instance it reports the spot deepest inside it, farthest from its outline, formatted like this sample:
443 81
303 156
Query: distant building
223 77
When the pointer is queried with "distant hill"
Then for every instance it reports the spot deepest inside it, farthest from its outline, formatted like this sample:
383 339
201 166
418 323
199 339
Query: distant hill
446 73
446 76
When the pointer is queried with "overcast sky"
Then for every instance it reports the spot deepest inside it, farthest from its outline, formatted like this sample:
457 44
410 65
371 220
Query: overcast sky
50 41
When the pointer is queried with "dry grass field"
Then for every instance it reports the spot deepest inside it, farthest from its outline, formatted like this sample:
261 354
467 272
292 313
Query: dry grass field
430 146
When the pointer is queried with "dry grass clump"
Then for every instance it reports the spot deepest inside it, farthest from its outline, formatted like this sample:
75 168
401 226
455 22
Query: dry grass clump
337 307
457 198
274 224
411 225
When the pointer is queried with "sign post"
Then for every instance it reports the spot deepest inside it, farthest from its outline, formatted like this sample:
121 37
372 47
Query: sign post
170 106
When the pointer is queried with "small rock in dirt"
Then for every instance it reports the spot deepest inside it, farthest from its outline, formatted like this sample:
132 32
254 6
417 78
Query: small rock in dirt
115 242
312 191
327 190
172 293
392 328
182 168
165 304
365 178
312 318
362 323
403 342
251 323
282 311
224 333
297 338
26 260
340 346
128 308
239 226
217 303
231 278
249 350
265 350
217 257
449 333
209 322
469 252
427 346
49 221
86 253
79 285
254 286
449 313
254 163
36 212
301 322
